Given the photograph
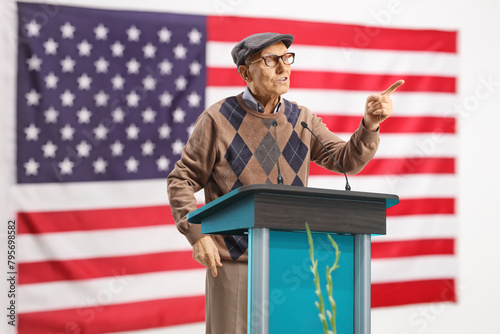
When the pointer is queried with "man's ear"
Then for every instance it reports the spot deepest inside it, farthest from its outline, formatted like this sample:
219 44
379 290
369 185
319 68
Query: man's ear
244 73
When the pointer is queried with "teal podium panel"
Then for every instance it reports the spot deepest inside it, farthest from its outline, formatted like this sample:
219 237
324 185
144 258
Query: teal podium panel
281 296
291 282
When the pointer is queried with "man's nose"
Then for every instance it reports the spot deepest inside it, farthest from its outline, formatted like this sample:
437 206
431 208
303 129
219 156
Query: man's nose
281 65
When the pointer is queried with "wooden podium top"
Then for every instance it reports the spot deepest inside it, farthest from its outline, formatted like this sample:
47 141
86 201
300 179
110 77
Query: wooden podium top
289 207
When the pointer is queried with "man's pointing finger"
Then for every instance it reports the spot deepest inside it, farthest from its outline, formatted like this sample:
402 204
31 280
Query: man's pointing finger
393 87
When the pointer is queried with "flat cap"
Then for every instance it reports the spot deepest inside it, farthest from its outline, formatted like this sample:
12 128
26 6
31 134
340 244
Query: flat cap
257 42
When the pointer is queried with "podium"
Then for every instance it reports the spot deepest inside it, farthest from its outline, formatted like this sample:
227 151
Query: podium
281 292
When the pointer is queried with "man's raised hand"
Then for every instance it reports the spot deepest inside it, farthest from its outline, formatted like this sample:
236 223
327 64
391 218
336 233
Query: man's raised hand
378 107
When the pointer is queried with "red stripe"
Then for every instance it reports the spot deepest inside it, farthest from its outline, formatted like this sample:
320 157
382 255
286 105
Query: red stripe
229 77
395 124
115 318
393 249
372 82
84 220
401 293
47 271
419 124
333 34
423 206
414 165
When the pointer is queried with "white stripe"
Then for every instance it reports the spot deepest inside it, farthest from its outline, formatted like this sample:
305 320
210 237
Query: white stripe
195 328
344 102
133 241
415 146
405 186
96 195
414 268
118 289
90 195
338 59
215 94
419 227
101 243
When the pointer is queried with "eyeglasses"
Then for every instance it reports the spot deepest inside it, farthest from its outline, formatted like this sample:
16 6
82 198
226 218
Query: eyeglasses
272 60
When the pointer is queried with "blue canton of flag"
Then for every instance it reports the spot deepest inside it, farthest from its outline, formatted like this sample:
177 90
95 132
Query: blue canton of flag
106 95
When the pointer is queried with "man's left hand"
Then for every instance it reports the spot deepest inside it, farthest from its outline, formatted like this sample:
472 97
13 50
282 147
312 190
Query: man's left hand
378 107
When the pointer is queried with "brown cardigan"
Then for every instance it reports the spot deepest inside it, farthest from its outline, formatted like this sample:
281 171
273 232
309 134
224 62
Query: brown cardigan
233 145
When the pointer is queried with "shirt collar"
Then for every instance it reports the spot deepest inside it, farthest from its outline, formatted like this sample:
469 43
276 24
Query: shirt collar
252 102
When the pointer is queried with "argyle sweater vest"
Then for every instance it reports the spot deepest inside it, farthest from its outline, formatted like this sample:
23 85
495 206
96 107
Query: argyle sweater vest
233 145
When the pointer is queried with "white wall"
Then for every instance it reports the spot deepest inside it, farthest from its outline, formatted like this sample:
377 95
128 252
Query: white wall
478 23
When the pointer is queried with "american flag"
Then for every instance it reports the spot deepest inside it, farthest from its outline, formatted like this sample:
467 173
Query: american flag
106 101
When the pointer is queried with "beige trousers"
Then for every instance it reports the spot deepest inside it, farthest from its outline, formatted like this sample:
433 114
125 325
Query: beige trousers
226 299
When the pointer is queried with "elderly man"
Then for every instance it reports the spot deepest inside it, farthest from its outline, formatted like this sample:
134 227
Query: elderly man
233 144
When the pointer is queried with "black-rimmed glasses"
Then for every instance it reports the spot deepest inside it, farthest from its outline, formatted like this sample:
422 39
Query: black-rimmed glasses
272 60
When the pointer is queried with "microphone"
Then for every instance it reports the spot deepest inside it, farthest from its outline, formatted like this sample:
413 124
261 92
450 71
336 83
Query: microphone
347 186
280 178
